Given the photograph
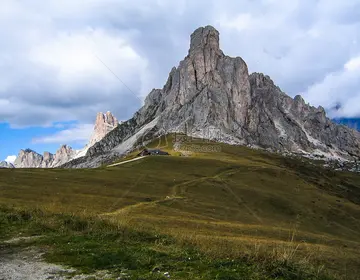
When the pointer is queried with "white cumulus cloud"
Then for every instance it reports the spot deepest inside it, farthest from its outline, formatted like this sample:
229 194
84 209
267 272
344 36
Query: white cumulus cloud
10 159
338 88
353 64
79 133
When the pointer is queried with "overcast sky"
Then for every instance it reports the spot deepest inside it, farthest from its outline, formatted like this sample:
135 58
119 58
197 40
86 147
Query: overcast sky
61 62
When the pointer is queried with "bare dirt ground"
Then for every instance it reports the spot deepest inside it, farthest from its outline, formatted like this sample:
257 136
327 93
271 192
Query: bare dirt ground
29 264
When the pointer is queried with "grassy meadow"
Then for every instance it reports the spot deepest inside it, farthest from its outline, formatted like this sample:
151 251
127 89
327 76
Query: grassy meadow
229 213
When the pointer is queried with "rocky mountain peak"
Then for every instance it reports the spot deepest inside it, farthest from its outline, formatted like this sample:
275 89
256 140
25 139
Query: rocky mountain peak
105 119
62 155
259 80
205 38
28 158
210 95
5 164
298 98
104 123
64 149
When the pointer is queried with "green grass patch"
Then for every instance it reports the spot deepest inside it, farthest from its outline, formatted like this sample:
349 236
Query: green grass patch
91 244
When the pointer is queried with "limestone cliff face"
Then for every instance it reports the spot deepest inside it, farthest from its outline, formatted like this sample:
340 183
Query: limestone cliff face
211 95
104 123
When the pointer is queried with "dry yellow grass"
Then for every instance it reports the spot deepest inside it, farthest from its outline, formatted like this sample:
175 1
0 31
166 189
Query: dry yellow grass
235 203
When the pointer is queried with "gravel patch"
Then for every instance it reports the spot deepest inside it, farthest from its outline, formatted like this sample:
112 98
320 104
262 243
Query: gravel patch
29 264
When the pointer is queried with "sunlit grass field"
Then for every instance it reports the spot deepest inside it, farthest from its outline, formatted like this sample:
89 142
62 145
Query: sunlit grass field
237 213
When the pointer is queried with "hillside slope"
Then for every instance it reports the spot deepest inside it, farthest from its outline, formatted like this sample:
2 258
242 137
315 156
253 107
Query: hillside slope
231 202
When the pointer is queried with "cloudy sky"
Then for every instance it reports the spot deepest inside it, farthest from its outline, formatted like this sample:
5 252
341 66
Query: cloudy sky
61 62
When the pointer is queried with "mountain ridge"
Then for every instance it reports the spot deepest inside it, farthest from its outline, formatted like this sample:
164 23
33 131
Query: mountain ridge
5 164
104 123
212 92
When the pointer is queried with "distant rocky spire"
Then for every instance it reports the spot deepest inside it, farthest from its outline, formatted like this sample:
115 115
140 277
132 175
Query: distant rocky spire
104 123
63 154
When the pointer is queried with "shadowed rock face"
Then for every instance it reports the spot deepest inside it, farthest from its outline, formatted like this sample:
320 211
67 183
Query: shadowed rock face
211 95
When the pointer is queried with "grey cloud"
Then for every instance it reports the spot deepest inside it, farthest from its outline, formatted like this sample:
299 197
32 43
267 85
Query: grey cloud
297 43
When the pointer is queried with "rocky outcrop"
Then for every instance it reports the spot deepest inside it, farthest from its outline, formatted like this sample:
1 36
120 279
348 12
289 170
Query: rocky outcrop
5 164
211 95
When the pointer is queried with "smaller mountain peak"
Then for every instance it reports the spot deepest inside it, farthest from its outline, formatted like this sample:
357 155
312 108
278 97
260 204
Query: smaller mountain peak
107 118
321 109
104 123
110 118
260 80
27 151
65 147
298 98
205 37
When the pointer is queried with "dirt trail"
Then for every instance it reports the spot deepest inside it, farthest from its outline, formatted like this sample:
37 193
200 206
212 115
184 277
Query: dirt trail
127 161
29 264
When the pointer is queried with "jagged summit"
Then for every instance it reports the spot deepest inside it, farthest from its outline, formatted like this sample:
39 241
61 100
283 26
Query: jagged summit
27 158
104 123
205 38
210 91
27 150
